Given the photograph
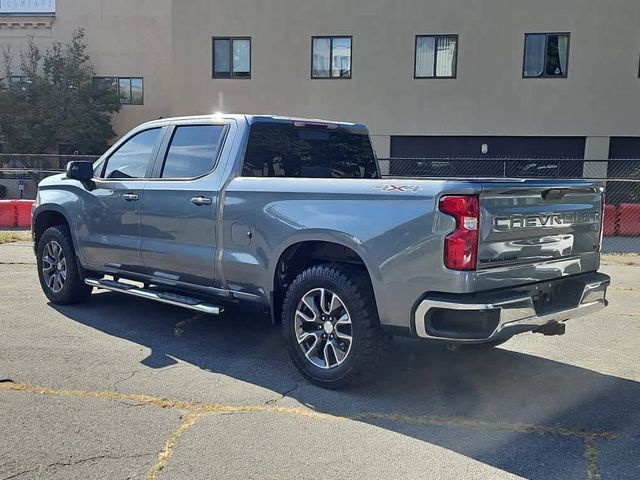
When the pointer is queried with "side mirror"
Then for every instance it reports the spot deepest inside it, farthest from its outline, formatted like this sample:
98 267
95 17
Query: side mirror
80 170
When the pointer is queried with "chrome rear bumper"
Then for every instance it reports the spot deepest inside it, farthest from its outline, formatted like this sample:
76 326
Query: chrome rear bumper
512 314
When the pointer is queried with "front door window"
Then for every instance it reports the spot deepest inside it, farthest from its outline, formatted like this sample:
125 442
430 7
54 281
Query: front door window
133 158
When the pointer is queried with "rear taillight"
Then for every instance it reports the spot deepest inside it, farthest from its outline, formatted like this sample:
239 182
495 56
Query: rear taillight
461 246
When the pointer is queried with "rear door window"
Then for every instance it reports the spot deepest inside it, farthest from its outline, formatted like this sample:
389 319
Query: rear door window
193 151
134 157
284 150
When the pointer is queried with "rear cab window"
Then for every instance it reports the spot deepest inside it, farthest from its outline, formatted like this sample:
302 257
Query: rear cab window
193 151
286 150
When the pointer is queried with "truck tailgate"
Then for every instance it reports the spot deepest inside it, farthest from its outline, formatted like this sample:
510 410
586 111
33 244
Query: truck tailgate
532 222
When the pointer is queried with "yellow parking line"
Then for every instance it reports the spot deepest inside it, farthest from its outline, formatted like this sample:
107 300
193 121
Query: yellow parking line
188 421
480 425
591 457
198 407
163 402
195 410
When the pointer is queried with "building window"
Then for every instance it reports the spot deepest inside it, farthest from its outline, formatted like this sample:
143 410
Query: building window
231 57
28 7
436 56
546 54
130 90
331 57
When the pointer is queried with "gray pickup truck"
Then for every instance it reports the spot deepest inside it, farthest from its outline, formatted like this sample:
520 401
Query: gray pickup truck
294 215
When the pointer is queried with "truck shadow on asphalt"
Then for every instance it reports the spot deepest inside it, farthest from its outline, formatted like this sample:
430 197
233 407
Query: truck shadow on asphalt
494 391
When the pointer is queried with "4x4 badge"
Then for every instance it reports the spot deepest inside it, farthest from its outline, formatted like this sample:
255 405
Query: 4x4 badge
399 188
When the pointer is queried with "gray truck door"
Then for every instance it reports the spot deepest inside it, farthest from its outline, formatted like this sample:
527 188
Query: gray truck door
110 233
180 206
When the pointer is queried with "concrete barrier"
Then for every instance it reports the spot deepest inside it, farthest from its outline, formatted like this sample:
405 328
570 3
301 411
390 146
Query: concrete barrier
8 213
629 219
23 213
610 220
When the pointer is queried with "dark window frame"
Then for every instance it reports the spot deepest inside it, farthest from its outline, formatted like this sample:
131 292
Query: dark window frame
546 44
164 152
435 56
117 82
331 38
231 75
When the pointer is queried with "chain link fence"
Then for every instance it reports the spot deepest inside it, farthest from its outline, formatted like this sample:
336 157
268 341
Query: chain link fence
20 175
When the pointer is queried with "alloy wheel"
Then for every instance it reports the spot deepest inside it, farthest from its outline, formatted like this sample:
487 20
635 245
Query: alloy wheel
323 328
54 266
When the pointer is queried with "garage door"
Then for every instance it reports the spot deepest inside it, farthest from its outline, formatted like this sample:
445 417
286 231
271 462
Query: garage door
625 153
624 147
533 149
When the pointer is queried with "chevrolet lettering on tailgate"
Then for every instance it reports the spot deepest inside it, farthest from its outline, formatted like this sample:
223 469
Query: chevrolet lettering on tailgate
513 222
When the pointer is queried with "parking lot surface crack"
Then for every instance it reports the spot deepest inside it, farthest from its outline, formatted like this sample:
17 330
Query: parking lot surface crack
41 468
284 394
19 474
122 380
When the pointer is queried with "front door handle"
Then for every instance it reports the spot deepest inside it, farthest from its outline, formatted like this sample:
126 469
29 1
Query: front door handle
130 197
201 201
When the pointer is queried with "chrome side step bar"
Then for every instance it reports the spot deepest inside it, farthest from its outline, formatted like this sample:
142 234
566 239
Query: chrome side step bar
163 297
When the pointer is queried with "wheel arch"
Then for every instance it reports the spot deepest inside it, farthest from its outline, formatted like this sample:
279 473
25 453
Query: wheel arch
302 254
47 217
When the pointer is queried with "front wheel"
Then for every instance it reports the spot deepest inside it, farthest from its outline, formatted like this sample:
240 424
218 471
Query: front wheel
58 270
331 327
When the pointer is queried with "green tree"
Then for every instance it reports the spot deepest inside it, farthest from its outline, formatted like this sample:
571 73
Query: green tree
55 100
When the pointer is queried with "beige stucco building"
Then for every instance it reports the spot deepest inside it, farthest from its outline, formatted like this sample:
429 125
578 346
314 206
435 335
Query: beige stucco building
576 91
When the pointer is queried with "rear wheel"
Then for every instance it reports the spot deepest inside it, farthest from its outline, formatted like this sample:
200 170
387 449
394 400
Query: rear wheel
58 270
331 326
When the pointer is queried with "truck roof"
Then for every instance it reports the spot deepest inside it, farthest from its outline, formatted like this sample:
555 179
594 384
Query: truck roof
251 119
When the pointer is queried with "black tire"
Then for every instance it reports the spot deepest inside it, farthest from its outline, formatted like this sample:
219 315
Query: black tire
486 345
73 290
369 342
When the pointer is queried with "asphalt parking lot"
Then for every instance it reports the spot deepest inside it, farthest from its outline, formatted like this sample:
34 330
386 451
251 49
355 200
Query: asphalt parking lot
125 388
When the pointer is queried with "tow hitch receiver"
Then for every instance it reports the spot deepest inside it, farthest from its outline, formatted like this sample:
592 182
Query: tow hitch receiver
550 329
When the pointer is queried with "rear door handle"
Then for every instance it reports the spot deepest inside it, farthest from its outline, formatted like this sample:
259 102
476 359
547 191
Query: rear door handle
130 197
201 201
